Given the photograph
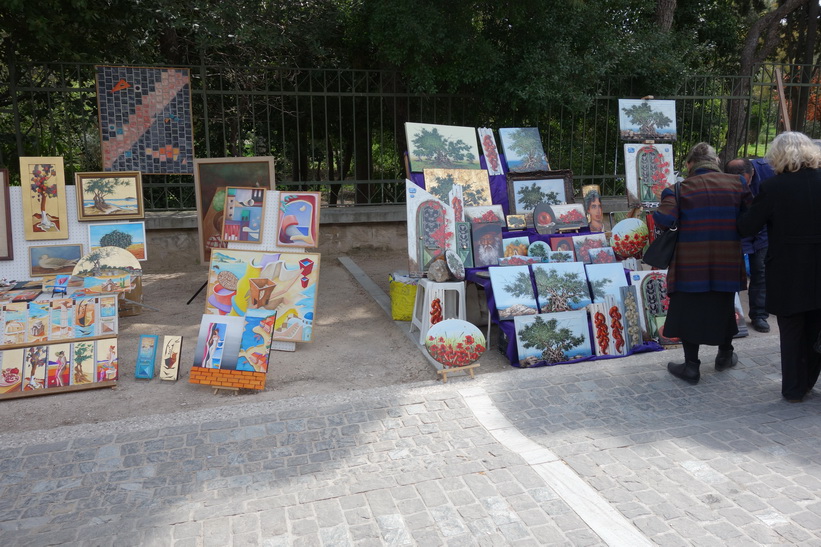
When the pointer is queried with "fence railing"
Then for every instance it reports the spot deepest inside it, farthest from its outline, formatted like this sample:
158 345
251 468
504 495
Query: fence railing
342 131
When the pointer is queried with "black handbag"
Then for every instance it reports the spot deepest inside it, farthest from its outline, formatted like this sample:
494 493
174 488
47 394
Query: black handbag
660 252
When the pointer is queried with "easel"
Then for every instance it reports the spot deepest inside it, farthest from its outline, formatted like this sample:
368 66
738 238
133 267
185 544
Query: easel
232 390
467 368
196 293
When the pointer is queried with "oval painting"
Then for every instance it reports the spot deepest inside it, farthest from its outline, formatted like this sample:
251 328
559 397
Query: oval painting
455 265
455 343
629 237
540 250
544 219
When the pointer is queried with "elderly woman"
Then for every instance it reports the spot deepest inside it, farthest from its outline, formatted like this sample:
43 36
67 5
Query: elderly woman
707 267
788 204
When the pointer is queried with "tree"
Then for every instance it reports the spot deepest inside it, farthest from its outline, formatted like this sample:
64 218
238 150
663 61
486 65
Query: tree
83 351
560 290
553 341
101 187
520 285
42 189
116 238
530 196
527 143
440 150
648 120
442 187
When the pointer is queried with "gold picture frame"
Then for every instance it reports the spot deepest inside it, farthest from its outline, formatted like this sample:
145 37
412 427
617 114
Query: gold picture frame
44 197
116 195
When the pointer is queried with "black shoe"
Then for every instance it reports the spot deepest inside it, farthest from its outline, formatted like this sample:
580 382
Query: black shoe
687 371
761 325
726 359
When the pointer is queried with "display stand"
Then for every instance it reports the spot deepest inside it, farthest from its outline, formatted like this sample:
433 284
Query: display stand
468 369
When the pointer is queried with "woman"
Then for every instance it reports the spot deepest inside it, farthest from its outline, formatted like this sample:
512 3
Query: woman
707 267
595 213
788 205
211 346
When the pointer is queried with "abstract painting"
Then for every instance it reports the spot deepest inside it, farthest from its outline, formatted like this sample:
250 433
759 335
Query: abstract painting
218 342
62 319
108 314
6 239
490 151
255 341
86 317
474 182
487 244
605 279
109 196
53 259
298 219
170 358
523 149
431 225
561 286
145 119
551 338
647 120
146 356
244 211
125 235
513 291
432 146
648 170
39 314
44 198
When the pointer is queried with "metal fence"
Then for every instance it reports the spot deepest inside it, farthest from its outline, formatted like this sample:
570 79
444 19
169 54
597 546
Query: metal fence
342 131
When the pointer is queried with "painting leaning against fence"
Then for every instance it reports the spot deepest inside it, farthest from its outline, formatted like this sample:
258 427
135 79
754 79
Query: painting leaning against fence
441 146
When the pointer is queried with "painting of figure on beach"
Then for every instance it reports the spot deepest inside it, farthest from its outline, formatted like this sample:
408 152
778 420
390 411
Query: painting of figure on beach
109 196
257 336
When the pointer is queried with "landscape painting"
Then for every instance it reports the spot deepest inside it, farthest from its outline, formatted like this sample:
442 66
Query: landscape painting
109 196
125 235
527 191
244 212
475 185
53 259
523 149
44 198
648 171
82 356
298 219
432 146
513 291
550 338
561 286
605 279
647 120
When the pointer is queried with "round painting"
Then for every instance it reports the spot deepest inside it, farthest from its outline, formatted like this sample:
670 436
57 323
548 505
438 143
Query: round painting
455 265
539 249
455 343
629 237
544 218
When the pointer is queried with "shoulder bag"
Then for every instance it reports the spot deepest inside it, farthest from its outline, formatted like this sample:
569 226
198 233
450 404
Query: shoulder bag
660 252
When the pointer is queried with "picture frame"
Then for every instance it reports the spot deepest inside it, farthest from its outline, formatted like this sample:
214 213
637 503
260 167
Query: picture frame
44 197
45 260
126 235
170 358
244 215
6 239
211 177
526 190
113 195
298 219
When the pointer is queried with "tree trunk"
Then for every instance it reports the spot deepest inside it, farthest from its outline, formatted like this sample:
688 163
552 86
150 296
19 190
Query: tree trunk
665 9
799 110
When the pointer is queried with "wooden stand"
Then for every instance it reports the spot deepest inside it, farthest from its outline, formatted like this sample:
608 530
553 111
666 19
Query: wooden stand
467 368
217 389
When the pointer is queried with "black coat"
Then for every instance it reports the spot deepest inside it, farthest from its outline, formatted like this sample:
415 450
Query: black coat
789 205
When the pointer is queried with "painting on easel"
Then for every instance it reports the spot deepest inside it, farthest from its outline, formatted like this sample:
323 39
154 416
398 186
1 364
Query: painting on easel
244 211
44 198
298 219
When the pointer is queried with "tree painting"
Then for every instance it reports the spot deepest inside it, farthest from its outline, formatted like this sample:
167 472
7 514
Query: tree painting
645 121
474 183
44 187
562 287
99 188
530 196
523 149
554 341
438 150
83 351
116 238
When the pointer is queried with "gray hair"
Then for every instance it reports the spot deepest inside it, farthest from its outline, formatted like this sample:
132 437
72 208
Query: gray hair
792 151
703 153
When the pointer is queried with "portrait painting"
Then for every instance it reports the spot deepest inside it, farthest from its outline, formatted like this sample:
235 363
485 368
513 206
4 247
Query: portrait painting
44 198
432 146
53 259
218 342
487 244
298 219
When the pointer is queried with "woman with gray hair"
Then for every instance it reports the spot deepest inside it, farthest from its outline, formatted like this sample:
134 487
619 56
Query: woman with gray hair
788 205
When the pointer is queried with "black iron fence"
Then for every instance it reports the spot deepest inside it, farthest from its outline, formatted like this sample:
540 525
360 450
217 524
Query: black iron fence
342 131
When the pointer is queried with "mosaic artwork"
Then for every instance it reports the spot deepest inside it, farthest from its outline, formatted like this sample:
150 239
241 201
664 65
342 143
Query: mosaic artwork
145 119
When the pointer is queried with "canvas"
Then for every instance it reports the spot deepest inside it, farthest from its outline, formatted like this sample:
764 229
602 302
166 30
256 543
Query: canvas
15 323
540 250
108 315
569 217
145 119
86 317
560 256
605 279
244 211
526 191
455 343
631 317
58 372
486 240
516 222
475 185
561 286
629 238
485 214
211 177
551 338
109 196
53 259
106 359
35 363
647 120
652 299
61 325
218 342
602 255
563 243
256 338
44 198
82 358
125 235
431 225
523 149
107 261
39 314
456 199
583 243
518 260
298 219
146 356
171 349
464 244
648 170
593 209
487 141
513 291
455 265
608 329
239 281
614 307
11 370
515 246
6 239
432 146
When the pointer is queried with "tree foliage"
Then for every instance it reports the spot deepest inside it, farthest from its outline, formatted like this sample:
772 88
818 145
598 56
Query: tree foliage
562 291
530 196
553 342
116 238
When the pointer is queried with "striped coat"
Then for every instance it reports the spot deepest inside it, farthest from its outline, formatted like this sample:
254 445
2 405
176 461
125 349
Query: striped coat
708 256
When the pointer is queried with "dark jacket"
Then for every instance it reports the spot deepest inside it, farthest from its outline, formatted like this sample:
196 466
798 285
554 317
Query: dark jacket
789 204
708 254
761 172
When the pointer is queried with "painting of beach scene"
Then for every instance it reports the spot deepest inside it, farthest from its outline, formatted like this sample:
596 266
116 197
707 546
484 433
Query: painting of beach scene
551 338
125 235
513 291
109 196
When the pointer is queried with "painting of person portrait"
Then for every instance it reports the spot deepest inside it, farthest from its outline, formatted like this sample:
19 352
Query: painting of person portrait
487 244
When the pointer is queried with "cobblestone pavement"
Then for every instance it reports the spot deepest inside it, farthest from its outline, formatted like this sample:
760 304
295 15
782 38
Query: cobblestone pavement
611 452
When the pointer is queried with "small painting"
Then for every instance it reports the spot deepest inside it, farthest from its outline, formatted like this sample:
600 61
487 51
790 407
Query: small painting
256 339
218 342
15 323
518 260
583 243
109 196
569 217
629 238
125 235
540 250
11 370
298 219
648 171
525 191
551 338
561 286
602 255
487 244
516 222
647 120
39 314
513 291
631 317
432 146
44 198
474 182
53 259
108 314
560 256
146 356
106 359
605 279
562 243
82 357
544 218
58 373
6 239
86 317
244 211
591 196
485 214
464 245
455 343
523 149
652 298
515 246
170 358
35 363
455 265
487 141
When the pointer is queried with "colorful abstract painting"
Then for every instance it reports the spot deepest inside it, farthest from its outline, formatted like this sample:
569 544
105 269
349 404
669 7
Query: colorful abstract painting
170 358
244 211
298 219
550 338
44 198
145 119
255 343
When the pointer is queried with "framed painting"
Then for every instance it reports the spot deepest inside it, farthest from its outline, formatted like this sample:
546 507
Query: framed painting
244 214
6 239
526 190
523 149
53 259
433 146
145 119
491 152
513 291
125 235
474 182
146 356
561 286
44 198
647 120
516 222
211 177
298 219
109 196
551 338
648 171
170 358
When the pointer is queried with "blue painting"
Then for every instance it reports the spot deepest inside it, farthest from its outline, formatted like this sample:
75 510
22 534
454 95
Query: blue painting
551 338
513 291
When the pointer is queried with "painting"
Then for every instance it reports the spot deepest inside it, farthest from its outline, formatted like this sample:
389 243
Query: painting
218 342
485 214
298 219
513 291
106 359
145 119
652 298
487 141
608 328
11 370
170 358
523 149
591 196
455 343
629 238
58 371
53 259
583 243
44 198
525 191
15 323
244 211
464 244
239 281
487 244
86 317
518 260
516 222
211 177
475 185
39 314
455 265
82 357
109 196
146 356
255 340
605 279
431 225
560 256
561 286
108 314
551 338
569 217
647 120
432 146
61 324
602 255
648 170
540 250
35 362
6 239
125 235
630 318
563 243
515 246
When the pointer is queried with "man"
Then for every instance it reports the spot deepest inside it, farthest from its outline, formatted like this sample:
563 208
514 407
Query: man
755 247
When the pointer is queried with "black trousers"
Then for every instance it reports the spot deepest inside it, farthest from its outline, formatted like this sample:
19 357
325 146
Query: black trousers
800 364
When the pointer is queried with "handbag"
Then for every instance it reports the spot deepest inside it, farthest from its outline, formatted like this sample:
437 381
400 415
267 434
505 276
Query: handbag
660 252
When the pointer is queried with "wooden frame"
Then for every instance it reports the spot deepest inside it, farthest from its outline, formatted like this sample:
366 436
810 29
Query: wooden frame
136 230
517 181
6 239
113 196
44 198
54 259
211 176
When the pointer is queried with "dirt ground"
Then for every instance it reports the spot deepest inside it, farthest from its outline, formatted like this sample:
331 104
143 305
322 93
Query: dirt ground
356 346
